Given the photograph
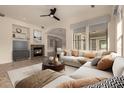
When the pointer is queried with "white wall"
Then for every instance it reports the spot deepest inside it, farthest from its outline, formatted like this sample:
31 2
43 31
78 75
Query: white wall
116 34
112 34
6 37
120 32
5 41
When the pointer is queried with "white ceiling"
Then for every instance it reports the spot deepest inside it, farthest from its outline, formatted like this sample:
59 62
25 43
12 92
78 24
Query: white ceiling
31 13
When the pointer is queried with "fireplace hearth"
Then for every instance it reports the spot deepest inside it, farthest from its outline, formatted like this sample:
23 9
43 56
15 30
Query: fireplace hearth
37 50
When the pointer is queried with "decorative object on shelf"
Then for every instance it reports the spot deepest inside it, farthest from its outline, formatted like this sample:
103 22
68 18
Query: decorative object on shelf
18 30
55 61
59 51
13 35
50 58
55 58
37 35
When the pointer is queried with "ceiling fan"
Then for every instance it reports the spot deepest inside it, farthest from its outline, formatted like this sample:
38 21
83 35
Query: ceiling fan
52 14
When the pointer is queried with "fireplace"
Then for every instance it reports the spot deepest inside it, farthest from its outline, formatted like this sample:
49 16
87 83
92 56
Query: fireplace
37 50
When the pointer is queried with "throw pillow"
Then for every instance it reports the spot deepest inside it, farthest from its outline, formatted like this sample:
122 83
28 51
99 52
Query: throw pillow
106 53
95 61
79 82
82 60
114 82
65 52
105 63
118 66
90 54
114 55
123 73
81 53
75 53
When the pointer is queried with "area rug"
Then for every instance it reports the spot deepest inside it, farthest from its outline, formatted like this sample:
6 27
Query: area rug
18 74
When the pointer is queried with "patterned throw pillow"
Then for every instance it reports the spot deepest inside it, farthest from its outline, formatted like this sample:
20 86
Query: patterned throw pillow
114 82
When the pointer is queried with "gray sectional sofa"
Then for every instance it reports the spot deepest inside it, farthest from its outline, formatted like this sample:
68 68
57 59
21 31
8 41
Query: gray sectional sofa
87 70
77 61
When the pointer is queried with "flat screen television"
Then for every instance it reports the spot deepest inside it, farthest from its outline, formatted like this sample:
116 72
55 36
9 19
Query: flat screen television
20 45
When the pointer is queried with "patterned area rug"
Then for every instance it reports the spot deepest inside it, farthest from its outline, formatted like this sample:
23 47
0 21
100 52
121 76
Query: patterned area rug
18 74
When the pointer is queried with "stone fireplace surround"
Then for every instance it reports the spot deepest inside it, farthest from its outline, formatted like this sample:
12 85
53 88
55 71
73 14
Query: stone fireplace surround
37 50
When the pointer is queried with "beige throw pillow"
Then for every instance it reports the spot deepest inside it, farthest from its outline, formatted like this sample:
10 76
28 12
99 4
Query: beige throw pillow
79 82
105 63
65 52
89 54
75 53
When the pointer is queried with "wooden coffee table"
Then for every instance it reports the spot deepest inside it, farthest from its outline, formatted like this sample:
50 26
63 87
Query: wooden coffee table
48 65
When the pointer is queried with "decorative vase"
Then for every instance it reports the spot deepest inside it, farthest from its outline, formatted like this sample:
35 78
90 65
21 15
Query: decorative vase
51 58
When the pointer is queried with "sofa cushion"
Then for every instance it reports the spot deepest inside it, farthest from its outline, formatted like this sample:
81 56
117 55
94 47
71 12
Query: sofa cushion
95 61
118 66
99 53
106 53
88 64
114 55
89 54
84 72
82 60
123 73
57 81
105 63
75 53
81 53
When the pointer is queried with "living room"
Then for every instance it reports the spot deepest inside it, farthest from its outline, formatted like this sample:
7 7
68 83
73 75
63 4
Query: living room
31 34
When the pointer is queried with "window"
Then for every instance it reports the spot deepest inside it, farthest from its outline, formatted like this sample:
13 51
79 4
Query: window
79 41
93 44
98 40
102 44
91 34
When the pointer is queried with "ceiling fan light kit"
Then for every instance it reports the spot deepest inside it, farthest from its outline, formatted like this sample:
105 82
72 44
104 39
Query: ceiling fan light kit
51 15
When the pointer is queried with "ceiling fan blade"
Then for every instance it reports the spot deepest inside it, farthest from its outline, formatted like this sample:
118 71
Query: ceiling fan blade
2 15
43 15
56 18
52 11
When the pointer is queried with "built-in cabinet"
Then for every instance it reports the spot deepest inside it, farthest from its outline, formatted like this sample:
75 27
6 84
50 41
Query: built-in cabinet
22 45
21 49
